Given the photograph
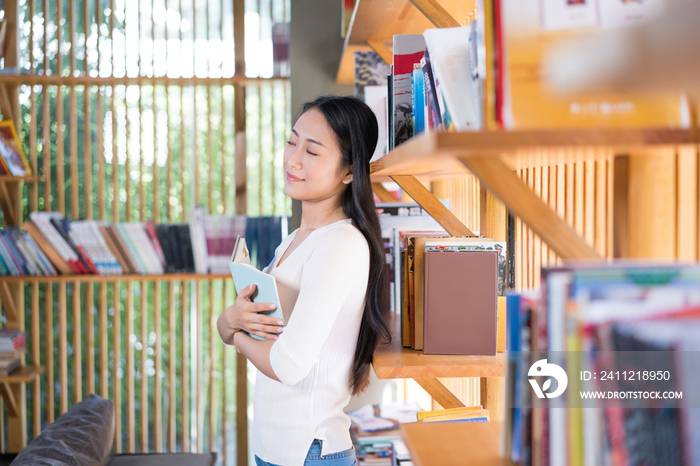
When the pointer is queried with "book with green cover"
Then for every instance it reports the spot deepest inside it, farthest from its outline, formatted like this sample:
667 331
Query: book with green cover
244 274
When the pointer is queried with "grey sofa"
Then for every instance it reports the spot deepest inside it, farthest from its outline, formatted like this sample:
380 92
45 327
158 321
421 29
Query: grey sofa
84 435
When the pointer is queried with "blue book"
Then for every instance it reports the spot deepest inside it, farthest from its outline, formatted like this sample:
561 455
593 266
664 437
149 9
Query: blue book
418 101
244 274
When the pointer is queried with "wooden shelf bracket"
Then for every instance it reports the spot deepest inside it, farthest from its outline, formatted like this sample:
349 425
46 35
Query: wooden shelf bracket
434 207
437 15
384 194
9 398
441 394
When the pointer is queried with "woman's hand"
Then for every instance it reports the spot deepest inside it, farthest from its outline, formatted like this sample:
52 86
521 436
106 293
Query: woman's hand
244 314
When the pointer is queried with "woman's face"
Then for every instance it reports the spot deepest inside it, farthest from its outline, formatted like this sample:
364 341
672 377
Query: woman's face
311 160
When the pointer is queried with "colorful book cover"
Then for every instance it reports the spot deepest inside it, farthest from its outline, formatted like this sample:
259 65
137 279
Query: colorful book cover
370 70
408 49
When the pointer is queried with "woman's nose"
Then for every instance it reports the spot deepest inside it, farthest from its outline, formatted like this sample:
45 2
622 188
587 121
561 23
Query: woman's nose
295 158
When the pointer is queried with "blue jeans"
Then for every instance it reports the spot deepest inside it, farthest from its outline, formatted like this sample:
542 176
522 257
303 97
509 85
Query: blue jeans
314 458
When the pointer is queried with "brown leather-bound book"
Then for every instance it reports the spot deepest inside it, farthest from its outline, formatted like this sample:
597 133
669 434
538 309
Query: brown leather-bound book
460 302
121 246
112 245
419 278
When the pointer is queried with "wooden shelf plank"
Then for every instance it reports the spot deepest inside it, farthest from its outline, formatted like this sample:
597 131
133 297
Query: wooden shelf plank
379 20
436 154
397 362
17 179
454 443
22 374
115 278
54 80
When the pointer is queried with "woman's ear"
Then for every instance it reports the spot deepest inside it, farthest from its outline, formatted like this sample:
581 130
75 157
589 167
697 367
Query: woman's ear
348 177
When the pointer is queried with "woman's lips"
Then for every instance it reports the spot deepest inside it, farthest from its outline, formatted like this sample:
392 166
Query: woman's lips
291 177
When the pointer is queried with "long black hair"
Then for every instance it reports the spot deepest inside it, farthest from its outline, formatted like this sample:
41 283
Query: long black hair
356 131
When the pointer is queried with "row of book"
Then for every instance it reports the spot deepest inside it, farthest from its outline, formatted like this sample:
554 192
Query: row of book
493 74
52 245
627 333
12 346
448 291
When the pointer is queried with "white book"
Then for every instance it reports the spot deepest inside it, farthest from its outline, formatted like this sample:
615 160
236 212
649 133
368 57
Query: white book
143 243
43 223
452 55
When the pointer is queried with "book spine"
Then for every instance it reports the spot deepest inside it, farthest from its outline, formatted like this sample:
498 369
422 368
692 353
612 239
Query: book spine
156 242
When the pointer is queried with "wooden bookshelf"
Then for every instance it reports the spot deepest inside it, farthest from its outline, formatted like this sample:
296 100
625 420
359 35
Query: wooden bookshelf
439 154
22 374
9 195
396 362
92 278
374 23
454 443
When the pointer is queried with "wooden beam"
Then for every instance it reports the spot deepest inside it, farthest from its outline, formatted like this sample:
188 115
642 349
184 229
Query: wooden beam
437 15
439 392
435 208
384 194
493 396
8 300
9 399
524 203
7 205
382 50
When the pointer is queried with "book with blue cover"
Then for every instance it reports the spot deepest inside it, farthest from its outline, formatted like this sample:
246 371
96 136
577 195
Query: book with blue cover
244 274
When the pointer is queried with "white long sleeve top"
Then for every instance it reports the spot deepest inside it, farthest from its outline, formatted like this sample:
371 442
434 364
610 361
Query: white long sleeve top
322 286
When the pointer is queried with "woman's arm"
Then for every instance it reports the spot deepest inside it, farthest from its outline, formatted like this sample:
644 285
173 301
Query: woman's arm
246 315
257 352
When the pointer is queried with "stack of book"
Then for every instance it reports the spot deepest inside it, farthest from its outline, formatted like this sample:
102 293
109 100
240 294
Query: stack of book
447 302
466 414
52 244
12 347
375 432
602 367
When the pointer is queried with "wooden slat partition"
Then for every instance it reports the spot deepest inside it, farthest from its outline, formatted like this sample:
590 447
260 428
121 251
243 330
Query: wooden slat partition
88 135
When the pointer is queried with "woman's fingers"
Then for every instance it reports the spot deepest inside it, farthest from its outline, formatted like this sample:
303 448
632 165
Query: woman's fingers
273 329
265 335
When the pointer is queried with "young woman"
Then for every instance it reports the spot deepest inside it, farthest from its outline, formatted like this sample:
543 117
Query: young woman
331 279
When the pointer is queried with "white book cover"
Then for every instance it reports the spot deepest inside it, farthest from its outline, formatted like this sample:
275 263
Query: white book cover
375 98
451 55
145 247
199 244
41 220
626 13
569 14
